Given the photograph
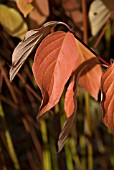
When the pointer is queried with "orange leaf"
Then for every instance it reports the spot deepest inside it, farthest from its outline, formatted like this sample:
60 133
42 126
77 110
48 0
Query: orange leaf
53 64
70 108
107 103
24 7
69 100
91 76
40 12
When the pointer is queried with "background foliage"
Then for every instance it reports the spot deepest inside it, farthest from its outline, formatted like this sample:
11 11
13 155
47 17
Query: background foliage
29 144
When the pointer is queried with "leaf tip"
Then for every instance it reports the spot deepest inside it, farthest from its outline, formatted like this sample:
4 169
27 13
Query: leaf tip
60 144
11 77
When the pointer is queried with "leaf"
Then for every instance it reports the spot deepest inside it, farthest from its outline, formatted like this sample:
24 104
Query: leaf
24 7
65 131
40 11
107 103
69 100
73 11
98 15
91 75
24 48
70 113
53 64
12 22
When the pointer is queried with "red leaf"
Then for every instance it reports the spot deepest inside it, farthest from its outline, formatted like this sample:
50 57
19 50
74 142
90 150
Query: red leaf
69 100
25 47
91 76
107 103
53 64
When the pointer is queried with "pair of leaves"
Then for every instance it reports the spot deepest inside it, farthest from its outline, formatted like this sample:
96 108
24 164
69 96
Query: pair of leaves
55 62
37 10
12 22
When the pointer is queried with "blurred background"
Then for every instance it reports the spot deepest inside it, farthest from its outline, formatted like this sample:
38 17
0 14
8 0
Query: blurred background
27 144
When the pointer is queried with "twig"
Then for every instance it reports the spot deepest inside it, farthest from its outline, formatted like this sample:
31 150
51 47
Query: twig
9 102
8 84
28 87
87 99
101 35
85 32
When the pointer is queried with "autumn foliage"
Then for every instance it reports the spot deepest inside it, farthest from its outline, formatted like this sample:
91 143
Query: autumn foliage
56 71
59 57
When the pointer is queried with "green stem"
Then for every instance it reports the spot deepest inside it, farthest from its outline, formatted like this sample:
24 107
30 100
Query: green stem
9 141
46 152
83 151
89 131
69 162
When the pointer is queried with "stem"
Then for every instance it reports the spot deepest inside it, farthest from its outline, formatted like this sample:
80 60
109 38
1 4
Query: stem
46 151
63 23
92 51
87 99
101 35
85 32
89 131
86 36
9 141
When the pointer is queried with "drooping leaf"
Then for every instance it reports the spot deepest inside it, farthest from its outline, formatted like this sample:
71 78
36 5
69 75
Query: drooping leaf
70 109
69 100
40 11
24 48
91 75
98 15
66 130
12 22
107 103
24 7
53 64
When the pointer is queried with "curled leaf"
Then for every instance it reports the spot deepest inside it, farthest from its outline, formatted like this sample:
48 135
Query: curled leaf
107 103
66 130
70 109
24 48
53 64
12 22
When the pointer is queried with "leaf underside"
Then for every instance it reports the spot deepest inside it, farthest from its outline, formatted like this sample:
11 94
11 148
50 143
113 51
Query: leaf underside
25 47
